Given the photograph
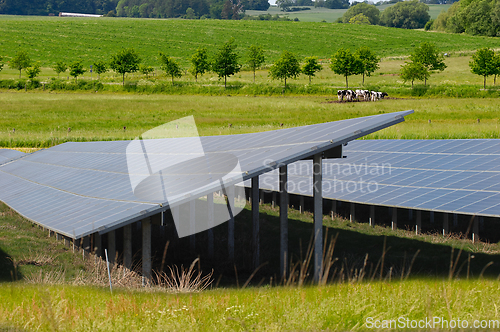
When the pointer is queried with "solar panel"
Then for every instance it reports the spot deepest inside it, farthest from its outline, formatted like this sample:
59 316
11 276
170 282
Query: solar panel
77 189
7 155
454 176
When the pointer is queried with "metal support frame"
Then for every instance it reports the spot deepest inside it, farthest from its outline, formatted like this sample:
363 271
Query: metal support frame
230 224
352 215
111 247
146 251
210 215
283 178
372 215
431 216
192 225
127 246
475 230
410 214
446 224
394 222
318 215
418 225
97 243
255 222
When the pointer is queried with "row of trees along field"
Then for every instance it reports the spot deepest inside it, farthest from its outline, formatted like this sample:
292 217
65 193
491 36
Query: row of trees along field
225 62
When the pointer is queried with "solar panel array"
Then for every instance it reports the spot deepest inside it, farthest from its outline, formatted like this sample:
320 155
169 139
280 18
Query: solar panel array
455 176
77 189
7 155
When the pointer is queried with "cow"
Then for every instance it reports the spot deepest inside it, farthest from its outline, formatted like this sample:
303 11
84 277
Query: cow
341 94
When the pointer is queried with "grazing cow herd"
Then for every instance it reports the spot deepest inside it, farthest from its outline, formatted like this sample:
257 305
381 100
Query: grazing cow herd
360 95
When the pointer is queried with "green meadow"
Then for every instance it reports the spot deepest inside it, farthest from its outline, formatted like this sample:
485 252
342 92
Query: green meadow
43 119
52 39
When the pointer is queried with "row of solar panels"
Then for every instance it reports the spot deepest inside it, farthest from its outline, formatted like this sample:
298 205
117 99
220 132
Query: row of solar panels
77 189
456 176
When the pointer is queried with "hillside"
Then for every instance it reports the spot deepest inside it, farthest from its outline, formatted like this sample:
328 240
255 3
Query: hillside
50 39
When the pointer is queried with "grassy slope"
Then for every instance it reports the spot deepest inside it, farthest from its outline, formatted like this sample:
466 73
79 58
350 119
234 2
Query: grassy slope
50 39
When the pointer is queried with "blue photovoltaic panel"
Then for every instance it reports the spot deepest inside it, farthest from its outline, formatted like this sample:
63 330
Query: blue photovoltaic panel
7 155
79 188
455 176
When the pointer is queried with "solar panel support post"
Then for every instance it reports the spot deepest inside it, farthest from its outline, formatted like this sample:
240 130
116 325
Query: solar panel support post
210 216
111 247
146 251
301 204
255 222
97 243
283 178
372 215
475 230
446 225
431 216
230 224
333 211
352 215
58 237
127 246
410 214
318 215
418 225
192 225
394 223
86 244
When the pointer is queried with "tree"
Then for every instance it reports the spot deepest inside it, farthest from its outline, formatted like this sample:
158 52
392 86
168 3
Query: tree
311 66
284 4
287 66
359 19
170 66
33 71
199 63
225 62
125 61
411 71
20 61
146 70
483 63
428 55
255 58
370 11
346 63
100 67
407 15
60 67
369 61
76 69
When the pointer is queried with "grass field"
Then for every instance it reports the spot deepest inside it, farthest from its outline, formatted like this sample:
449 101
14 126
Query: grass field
44 119
318 14
51 39
345 307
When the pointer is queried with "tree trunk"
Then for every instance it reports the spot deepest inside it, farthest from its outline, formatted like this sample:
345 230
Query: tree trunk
412 84
172 79
495 80
484 83
363 78
425 81
19 73
254 75
123 80
225 82
309 79
346 83
285 83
